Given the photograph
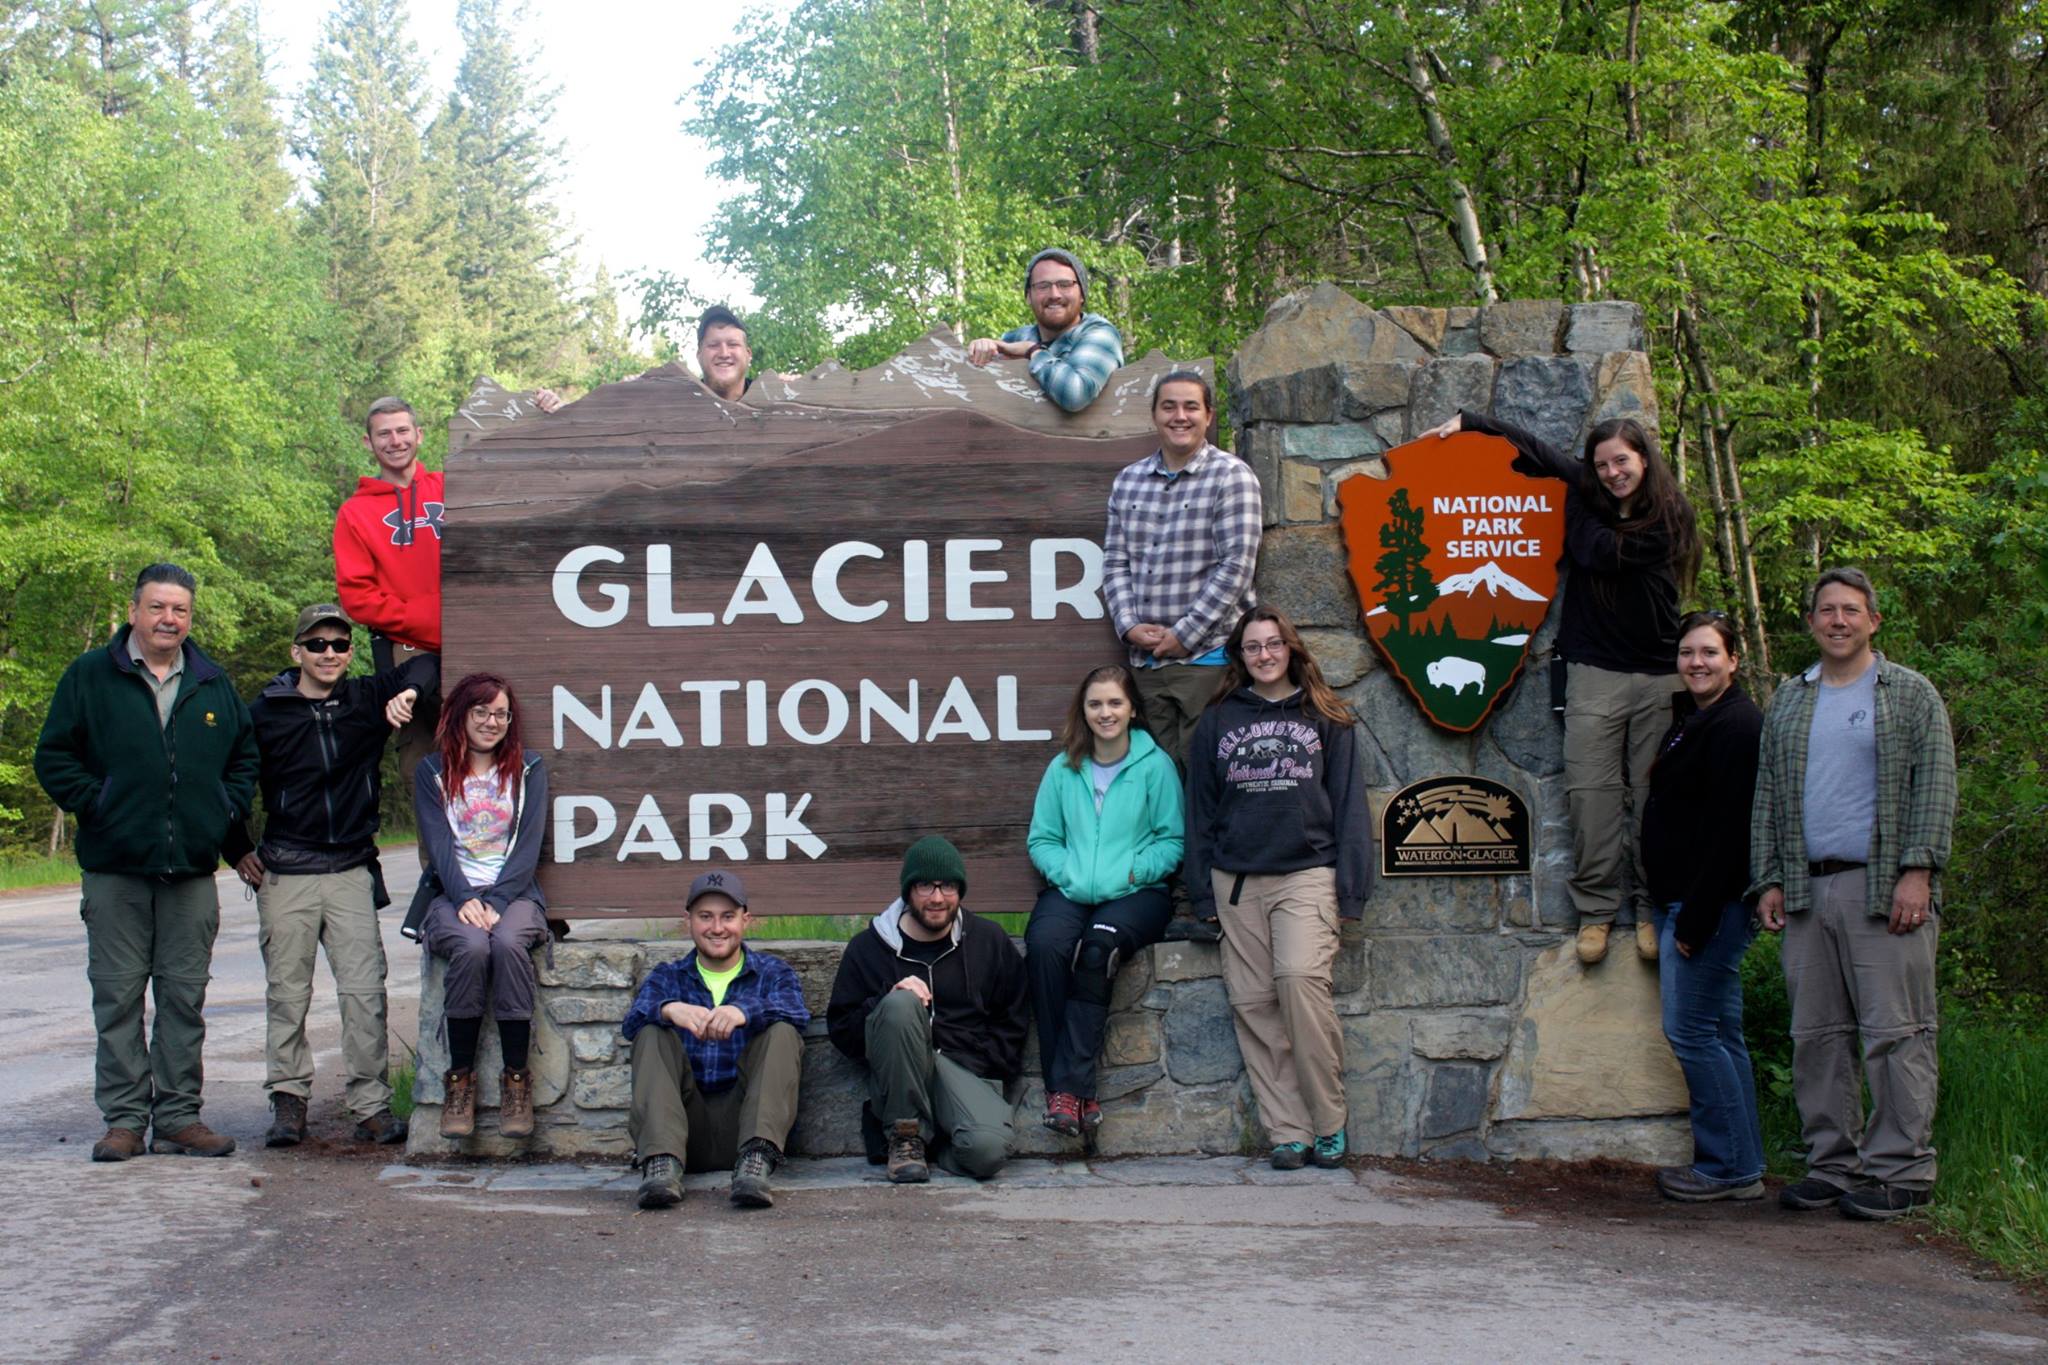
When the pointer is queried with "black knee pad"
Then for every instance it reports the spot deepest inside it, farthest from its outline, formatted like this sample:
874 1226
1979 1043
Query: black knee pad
1101 950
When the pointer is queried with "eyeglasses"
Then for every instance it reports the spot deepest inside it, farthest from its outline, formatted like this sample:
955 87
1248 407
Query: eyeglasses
935 888
322 646
1252 649
1044 287
483 715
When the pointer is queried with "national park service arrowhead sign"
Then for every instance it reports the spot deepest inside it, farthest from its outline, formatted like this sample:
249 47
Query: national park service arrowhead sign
1454 555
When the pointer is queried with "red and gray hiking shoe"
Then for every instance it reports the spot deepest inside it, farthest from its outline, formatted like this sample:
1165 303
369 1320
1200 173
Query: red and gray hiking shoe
1063 1113
1091 1115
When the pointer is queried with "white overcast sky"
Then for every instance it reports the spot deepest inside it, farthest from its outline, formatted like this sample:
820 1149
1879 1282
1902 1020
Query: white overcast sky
635 188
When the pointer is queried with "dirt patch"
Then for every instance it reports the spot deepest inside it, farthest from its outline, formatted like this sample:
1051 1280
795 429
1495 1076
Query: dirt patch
1592 1194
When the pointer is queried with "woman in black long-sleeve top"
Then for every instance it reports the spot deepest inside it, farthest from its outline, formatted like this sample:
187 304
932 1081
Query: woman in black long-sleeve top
1696 842
1633 549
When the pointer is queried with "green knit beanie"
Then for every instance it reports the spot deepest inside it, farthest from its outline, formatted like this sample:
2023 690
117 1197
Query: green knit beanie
933 859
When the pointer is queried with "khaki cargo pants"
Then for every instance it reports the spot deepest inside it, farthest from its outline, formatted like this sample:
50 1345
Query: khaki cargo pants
295 916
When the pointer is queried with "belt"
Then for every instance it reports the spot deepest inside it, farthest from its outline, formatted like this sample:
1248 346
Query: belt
1828 867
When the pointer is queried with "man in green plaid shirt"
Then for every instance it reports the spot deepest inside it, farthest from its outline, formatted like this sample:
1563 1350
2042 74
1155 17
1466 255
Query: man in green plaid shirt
1855 805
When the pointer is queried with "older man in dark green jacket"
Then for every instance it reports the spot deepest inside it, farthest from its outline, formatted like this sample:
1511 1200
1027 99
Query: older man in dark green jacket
149 746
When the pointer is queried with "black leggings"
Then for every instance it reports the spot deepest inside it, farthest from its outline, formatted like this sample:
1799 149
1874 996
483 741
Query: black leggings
1071 955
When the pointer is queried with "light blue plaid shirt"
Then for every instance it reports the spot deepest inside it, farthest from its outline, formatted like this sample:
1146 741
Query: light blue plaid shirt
1073 366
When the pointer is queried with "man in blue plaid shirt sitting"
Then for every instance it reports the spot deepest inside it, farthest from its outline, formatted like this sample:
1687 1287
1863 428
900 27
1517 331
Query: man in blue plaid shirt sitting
1070 352
717 1051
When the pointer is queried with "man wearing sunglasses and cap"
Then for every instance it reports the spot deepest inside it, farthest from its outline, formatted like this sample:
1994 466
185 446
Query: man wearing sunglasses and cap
1070 352
717 1053
321 735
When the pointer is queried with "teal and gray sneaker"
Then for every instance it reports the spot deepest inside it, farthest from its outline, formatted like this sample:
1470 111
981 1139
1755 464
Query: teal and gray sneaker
1290 1156
1330 1150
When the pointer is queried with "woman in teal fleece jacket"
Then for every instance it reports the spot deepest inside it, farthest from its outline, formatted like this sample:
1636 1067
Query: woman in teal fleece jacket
1106 832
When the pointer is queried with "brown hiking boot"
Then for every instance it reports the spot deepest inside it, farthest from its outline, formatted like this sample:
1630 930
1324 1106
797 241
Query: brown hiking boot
381 1128
458 1107
194 1139
906 1154
515 1103
1592 942
287 1121
118 1145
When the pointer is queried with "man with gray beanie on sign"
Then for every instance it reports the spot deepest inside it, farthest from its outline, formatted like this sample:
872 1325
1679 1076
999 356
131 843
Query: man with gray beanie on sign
1071 353
931 999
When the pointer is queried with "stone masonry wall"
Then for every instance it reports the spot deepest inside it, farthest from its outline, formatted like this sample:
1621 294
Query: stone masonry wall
1470 1028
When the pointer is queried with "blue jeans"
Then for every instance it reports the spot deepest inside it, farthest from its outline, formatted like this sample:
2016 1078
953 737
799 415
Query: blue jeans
1702 997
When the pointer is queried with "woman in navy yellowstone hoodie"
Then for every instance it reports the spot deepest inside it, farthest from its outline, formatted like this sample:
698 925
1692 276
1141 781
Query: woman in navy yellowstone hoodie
1279 846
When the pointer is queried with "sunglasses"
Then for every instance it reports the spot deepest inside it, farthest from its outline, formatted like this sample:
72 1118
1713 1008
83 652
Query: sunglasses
322 646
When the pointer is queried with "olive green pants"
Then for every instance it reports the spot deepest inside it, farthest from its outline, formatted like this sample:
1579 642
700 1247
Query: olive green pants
154 934
1175 696
672 1117
965 1117
1613 723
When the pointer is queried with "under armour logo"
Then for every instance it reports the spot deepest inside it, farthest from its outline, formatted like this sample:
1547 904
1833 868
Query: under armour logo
402 528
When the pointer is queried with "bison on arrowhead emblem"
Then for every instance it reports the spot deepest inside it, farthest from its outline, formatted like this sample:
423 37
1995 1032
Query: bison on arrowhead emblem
1454 555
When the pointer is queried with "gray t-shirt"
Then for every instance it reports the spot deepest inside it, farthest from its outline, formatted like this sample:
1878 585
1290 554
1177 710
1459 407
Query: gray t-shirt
1841 771
1100 775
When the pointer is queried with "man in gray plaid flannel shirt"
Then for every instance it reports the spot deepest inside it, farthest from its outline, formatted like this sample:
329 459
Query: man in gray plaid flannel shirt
1177 561
1849 834
1070 352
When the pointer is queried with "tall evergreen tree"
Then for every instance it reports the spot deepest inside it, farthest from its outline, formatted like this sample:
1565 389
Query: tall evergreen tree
234 84
385 230
507 244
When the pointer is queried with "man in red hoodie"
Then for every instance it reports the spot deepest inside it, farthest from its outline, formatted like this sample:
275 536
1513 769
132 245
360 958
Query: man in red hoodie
387 559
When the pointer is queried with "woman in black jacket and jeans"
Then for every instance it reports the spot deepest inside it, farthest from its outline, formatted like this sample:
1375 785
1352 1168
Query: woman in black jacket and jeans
1633 549
1696 842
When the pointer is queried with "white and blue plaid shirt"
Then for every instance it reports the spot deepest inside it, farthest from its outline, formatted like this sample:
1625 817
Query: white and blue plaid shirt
1072 368
1180 548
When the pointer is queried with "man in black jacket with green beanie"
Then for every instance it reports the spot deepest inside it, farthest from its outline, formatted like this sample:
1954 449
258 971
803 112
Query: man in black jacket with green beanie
148 745
932 1000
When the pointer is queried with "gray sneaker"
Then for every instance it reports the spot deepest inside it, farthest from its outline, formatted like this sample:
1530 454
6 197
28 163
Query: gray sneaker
1688 1186
1879 1203
661 1183
1810 1193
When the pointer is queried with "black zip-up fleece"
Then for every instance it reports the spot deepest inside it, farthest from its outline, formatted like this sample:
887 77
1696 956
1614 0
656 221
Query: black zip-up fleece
979 1009
320 760
1696 821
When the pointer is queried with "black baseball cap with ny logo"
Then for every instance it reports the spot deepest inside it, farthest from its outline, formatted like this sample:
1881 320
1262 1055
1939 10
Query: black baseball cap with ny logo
724 883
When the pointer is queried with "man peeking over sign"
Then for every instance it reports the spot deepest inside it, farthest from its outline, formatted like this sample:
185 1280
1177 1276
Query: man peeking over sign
1070 352
714 1081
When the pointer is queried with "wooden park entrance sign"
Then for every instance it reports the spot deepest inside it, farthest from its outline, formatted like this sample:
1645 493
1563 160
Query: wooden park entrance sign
1454 556
790 634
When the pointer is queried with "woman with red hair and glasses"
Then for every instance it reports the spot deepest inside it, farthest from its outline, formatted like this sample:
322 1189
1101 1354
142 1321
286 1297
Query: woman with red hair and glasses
481 800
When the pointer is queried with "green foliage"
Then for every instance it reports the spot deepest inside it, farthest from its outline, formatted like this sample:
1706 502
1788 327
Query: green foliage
184 354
